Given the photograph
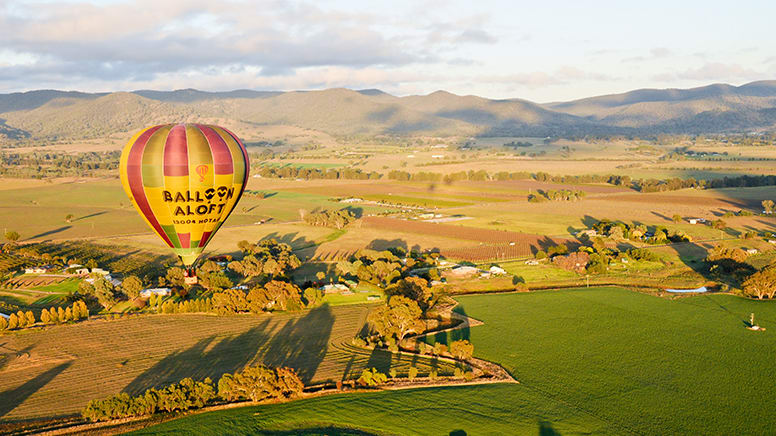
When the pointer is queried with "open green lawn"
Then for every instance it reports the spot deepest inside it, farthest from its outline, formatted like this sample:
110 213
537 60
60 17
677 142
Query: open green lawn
590 361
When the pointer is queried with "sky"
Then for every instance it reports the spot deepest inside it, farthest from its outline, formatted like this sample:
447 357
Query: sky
541 51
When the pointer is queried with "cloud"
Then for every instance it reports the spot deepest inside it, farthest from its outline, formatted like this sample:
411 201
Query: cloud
477 36
141 39
538 79
715 71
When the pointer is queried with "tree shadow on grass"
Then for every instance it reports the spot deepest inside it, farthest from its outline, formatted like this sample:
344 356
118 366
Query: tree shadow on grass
301 343
546 429
10 399
329 430
49 232
207 358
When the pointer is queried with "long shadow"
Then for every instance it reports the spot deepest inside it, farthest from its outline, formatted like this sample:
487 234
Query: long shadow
10 399
50 232
90 215
315 431
385 244
302 343
207 358
380 359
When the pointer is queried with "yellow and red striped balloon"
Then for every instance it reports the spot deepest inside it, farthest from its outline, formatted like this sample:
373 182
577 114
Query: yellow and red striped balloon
184 180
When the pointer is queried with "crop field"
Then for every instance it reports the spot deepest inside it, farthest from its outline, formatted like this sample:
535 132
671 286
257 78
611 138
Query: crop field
33 281
57 370
642 364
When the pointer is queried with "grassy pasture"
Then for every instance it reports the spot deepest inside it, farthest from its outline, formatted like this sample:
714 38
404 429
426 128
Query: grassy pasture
57 370
640 363
593 361
473 410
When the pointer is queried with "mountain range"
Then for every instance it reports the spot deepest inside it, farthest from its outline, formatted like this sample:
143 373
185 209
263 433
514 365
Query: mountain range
70 115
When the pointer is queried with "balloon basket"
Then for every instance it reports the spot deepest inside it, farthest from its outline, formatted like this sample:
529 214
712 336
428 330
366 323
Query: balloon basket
190 277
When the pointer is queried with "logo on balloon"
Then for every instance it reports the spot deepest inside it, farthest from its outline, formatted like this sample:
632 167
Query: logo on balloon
201 171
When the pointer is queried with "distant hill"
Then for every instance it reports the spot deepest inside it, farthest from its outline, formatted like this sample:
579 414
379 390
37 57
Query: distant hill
713 108
50 114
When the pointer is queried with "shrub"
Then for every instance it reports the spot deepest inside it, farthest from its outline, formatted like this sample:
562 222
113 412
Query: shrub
371 377
462 349
413 373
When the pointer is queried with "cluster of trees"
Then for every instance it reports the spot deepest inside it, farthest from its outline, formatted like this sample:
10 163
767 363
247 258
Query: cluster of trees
385 267
593 259
728 263
75 312
296 172
660 235
396 319
746 181
269 258
18 320
100 289
199 305
273 295
556 195
254 383
761 284
330 218
57 164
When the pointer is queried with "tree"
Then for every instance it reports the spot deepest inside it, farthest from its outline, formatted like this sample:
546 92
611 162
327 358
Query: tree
176 277
30 318
230 301
54 315
69 218
719 224
676 218
768 206
21 319
461 349
761 284
414 288
371 377
13 322
45 318
12 236
215 281
69 314
396 319
84 310
103 290
132 286
275 295
260 382
3 323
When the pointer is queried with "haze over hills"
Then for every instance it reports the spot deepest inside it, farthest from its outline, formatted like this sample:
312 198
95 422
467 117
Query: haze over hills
50 114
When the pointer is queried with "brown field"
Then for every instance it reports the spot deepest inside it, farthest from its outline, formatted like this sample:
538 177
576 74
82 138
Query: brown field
56 371
485 236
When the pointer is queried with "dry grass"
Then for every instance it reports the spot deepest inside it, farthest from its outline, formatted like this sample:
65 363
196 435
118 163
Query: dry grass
56 371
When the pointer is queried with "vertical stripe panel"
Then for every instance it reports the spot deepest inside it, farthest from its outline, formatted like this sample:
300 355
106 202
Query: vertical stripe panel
135 181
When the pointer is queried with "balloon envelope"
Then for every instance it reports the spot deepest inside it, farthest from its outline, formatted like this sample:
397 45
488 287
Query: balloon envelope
184 180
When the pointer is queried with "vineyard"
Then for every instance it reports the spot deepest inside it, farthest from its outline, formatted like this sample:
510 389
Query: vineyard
10 262
493 244
28 282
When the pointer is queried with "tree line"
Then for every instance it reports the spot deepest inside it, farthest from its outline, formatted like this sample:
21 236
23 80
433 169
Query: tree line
254 383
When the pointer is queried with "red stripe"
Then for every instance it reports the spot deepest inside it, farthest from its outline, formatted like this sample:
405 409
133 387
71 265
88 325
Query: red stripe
135 179
204 239
222 157
245 156
176 154
185 239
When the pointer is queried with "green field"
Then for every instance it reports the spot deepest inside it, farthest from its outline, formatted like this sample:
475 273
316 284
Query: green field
592 361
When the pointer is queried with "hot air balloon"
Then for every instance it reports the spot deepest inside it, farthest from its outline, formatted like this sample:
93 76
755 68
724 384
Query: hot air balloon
184 180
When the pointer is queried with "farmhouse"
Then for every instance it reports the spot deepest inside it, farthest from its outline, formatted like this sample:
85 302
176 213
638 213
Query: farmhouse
146 293
351 200
335 288
463 271
100 271
38 269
